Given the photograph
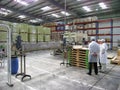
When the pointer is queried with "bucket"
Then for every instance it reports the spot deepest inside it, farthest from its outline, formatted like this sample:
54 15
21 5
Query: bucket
14 65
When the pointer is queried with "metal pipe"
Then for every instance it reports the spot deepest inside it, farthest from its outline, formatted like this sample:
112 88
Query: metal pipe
8 54
65 14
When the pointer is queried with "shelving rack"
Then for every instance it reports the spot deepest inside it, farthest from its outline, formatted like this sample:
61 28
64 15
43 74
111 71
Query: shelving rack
97 29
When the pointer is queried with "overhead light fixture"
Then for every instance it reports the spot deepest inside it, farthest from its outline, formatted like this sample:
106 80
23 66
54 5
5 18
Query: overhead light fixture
33 21
96 9
22 2
39 19
65 13
55 15
22 16
46 8
102 5
36 20
5 11
86 8
35 0
78 0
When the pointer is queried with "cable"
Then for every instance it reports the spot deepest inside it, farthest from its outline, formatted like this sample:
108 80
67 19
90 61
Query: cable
101 78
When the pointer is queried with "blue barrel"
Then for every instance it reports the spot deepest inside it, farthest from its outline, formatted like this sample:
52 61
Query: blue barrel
14 65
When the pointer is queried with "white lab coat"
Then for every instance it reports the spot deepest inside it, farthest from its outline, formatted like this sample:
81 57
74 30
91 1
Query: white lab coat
93 48
103 53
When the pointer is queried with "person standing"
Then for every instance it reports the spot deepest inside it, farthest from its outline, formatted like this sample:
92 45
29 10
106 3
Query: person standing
94 50
103 55
100 44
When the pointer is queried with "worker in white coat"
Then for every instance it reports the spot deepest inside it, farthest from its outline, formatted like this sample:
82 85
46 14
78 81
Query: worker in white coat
94 50
103 55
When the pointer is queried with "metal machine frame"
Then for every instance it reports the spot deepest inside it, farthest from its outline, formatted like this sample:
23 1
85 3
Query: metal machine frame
9 83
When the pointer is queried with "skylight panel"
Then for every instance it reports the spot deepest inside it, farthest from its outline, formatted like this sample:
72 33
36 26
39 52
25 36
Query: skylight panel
33 21
22 16
22 2
65 13
5 11
55 15
46 8
86 8
102 5
36 20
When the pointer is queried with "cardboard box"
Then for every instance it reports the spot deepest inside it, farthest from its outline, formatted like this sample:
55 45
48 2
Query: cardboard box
118 52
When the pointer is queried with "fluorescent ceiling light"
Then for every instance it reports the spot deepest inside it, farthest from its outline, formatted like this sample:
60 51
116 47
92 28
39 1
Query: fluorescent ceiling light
36 20
5 11
96 9
78 0
65 13
46 8
22 2
86 8
55 15
34 0
39 19
102 5
33 21
22 16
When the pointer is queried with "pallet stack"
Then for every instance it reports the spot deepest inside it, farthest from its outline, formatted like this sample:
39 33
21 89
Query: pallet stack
79 58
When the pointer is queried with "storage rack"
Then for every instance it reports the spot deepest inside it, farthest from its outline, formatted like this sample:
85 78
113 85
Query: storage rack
97 29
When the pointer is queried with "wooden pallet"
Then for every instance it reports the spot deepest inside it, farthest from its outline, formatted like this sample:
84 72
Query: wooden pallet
78 65
78 58
115 62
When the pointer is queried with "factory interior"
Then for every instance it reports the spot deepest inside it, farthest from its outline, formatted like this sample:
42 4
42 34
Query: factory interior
59 45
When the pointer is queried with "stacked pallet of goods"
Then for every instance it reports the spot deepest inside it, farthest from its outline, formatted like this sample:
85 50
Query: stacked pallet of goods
79 57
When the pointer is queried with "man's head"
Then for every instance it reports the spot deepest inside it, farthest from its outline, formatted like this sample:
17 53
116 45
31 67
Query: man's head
92 38
102 40
99 41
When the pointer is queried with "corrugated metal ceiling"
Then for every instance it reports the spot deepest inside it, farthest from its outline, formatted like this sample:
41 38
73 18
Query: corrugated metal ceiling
74 7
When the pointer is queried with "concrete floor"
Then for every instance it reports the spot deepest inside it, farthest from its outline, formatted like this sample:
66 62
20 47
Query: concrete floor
47 74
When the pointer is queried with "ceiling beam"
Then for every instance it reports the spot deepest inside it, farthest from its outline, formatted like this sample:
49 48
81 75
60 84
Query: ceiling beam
16 21
62 7
46 19
8 3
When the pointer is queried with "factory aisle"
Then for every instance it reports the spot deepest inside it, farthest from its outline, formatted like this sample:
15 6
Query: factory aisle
47 74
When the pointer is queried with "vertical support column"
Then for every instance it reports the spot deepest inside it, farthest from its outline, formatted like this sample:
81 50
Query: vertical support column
9 34
111 35
97 30
28 34
9 56
36 35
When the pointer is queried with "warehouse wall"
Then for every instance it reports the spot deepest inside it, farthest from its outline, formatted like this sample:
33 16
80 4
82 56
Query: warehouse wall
105 31
108 31
116 31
